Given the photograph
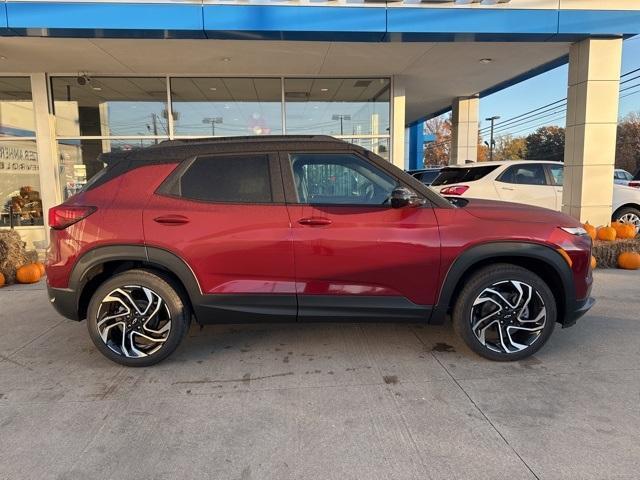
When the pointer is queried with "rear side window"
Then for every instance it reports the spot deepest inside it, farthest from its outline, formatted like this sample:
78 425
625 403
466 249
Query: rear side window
449 176
427 177
233 179
528 174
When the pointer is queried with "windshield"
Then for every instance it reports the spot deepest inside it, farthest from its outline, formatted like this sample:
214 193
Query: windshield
452 175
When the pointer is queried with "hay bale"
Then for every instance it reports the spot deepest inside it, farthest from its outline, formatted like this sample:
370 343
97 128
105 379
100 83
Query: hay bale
607 253
12 254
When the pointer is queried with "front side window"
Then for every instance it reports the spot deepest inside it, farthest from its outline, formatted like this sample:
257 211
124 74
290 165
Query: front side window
531 174
340 179
231 179
557 174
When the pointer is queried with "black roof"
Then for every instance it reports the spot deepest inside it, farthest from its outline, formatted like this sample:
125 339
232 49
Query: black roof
172 150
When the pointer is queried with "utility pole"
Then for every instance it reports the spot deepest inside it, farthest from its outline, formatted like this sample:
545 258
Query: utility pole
492 141
212 121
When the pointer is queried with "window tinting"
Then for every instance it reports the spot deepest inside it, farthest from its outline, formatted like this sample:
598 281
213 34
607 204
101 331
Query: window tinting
427 177
449 176
238 179
340 179
531 174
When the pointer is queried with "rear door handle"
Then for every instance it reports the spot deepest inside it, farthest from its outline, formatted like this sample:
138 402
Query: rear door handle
171 220
508 188
314 221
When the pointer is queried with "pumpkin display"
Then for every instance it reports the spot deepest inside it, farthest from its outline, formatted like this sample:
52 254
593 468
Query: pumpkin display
606 234
40 266
591 230
2 280
28 273
629 260
624 230
594 262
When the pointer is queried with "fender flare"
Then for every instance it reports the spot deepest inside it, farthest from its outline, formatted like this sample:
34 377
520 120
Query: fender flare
150 255
524 250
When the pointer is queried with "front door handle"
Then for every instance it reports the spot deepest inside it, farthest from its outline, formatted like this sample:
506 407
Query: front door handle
508 188
314 221
171 220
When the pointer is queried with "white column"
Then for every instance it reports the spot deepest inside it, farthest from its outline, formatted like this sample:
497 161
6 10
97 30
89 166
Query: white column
398 122
592 119
45 142
464 130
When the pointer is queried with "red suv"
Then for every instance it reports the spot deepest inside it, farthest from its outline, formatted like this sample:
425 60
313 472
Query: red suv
297 228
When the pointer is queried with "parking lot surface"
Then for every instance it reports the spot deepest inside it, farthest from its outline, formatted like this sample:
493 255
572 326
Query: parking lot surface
322 401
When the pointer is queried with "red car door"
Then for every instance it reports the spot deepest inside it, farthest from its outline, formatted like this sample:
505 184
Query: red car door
225 216
355 255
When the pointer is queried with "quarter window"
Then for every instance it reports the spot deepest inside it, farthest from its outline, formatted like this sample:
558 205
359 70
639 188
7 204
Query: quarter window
234 179
340 179
557 174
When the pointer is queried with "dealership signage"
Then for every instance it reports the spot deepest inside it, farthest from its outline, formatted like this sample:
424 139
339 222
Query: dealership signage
15 159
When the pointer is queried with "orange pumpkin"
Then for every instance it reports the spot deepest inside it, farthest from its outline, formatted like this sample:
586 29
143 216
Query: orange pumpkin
623 230
629 260
28 274
594 262
40 266
2 280
607 234
591 230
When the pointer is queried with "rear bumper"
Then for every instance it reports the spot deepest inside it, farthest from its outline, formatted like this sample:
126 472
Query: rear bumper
65 302
579 308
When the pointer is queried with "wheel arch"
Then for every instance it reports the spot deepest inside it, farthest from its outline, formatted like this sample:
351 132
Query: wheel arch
543 260
101 263
626 205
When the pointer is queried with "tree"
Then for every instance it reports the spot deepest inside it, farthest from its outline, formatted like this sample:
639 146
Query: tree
628 143
510 148
546 143
437 153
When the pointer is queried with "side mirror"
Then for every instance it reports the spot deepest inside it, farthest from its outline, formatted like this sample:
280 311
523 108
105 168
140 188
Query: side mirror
403 197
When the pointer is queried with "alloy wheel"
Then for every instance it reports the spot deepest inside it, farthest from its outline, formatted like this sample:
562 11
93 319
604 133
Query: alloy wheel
632 219
133 321
508 317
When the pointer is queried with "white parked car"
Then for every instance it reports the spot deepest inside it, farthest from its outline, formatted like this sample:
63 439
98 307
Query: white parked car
536 183
621 177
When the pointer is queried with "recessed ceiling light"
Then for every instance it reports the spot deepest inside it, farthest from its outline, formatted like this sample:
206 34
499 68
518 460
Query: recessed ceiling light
213 89
226 59
324 89
2 57
486 60
97 89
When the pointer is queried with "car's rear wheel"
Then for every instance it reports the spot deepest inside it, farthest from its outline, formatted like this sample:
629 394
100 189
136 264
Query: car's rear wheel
505 312
137 318
628 215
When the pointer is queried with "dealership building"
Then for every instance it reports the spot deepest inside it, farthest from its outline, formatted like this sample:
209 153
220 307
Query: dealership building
78 78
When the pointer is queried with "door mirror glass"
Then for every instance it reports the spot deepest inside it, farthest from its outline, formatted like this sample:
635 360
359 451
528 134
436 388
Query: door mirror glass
403 197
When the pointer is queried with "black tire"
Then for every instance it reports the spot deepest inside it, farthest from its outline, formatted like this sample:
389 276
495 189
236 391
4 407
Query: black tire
628 215
133 285
504 278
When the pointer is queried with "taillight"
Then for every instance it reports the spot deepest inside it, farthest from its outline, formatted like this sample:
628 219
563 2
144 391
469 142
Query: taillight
634 183
62 216
456 190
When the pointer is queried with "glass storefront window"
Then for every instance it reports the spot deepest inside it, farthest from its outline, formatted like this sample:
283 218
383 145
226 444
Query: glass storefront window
226 106
337 106
379 146
20 202
110 106
16 107
79 161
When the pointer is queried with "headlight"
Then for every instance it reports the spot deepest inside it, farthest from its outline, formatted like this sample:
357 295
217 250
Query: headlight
575 231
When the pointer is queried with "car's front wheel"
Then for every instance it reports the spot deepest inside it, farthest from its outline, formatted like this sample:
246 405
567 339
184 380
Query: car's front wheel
505 312
628 215
137 318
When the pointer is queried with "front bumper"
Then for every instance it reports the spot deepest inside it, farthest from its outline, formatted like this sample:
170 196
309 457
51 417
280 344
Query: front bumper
65 301
577 310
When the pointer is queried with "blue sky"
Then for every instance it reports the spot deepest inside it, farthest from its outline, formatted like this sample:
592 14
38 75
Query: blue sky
552 86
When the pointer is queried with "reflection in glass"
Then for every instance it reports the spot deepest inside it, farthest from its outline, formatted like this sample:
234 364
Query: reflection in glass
226 106
20 202
16 107
337 106
379 146
110 106
79 160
